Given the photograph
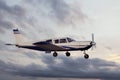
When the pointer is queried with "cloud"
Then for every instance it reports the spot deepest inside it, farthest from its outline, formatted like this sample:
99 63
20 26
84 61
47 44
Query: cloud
50 14
18 16
60 11
15 10
8 14
66 13
39 16
3 46
66 68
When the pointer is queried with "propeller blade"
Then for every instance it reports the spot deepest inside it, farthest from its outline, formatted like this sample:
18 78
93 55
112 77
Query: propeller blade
92 37
93 42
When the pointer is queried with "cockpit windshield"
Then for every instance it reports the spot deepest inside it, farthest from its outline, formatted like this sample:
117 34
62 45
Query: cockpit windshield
70 40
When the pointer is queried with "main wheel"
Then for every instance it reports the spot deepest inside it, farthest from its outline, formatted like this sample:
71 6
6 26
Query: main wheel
67 54
86 56
55 54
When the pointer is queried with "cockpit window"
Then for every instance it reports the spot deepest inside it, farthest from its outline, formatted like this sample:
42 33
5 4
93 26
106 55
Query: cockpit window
63 41
49 41
70 40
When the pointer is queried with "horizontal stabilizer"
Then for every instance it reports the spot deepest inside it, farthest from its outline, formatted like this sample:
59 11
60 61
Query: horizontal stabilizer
11 44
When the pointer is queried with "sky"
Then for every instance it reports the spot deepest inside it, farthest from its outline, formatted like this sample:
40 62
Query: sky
43 19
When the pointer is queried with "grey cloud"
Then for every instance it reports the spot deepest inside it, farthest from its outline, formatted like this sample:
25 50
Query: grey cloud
9 14
3 46
66 13
32 55
60 11
94 68
13 16
109 48
57 12
6 24
13 10
67 68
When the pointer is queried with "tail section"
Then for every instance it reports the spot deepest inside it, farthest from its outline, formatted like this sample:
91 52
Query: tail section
20 39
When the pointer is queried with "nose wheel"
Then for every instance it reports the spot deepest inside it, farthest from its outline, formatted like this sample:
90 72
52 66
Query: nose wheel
86 56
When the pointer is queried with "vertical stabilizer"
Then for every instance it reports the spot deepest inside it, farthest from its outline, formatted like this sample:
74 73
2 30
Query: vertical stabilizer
20 39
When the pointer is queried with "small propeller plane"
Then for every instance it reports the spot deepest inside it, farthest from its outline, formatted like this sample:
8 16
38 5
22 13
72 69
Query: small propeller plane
60 44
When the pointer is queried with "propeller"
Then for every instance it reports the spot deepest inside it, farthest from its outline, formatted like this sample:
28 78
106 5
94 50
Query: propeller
93 42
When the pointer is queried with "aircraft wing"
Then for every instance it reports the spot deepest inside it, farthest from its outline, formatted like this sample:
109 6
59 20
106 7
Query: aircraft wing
49 47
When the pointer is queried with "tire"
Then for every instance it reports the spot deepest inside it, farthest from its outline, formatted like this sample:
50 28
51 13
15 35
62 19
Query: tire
86 56
67 54
55 54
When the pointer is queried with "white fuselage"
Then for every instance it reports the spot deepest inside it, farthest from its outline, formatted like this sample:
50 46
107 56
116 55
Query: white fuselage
75 44
58 45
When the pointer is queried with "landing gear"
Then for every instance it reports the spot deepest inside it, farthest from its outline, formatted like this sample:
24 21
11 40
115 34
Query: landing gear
67 54
86 56
55 54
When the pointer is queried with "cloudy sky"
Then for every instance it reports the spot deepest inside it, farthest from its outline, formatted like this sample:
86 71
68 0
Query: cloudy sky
42 19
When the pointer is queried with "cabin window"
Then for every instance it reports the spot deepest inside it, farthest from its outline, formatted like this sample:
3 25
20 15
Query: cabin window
56 41
63 41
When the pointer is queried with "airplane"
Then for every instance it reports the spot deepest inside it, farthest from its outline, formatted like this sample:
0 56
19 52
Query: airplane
58 44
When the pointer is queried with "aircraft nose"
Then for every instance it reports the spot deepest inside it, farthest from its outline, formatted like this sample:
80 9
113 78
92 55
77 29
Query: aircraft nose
92 43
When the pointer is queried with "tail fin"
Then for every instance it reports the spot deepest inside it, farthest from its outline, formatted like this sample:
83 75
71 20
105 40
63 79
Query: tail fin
19 37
